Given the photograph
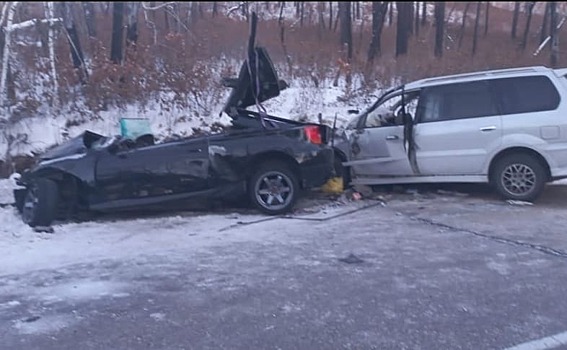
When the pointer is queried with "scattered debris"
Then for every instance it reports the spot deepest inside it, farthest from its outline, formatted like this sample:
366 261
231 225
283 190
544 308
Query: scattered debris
452 193
365 191
351 259
333 186
520 203
31 319
44 229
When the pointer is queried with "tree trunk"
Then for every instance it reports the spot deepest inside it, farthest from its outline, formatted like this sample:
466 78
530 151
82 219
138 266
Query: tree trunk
546 15
439 27
515 19
346 27
51 45
215 9
330 15
280 17
7 33
357 9
553 32
378 16
301 13
132 26
463 24
116 51
486 18
337 17
321 15
476 22
194 9
390 14
74 41
530 7
402 30
410 17
423 12
88 9
416 22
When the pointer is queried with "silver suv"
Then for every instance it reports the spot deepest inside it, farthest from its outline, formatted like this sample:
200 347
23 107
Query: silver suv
505 127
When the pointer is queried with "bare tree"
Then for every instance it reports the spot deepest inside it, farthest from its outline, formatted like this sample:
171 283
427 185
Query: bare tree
73 37
330 15
410 17
390 14
321 15
50 14
423 12
215 9
116 50
543 30
301 12
379 10
11 8
132 26
402 30
515 19
553 32
89 11
476 23
346 27
416 22
439 27
529 8
463 23
486 18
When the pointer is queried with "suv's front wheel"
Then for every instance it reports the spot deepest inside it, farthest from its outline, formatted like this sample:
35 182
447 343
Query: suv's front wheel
519 177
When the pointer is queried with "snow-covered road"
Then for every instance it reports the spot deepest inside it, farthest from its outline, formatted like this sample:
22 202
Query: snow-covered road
432 270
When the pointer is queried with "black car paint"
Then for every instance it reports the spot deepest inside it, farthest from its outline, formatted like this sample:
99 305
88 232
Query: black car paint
211 167
97 173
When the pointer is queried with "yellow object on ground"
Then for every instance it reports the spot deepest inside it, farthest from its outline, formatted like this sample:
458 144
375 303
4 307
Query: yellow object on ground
334 185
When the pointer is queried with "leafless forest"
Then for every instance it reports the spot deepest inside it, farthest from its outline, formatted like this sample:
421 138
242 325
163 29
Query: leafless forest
63 57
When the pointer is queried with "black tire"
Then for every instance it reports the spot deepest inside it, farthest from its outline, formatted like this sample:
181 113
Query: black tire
519 177
273 188
40 203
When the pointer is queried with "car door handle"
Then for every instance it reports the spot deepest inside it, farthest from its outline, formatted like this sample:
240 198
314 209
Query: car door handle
488 128
392 137
197 150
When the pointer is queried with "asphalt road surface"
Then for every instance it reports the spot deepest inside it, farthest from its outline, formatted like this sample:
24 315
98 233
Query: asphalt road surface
447 268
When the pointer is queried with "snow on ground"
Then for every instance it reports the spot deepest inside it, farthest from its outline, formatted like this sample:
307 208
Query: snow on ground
123 238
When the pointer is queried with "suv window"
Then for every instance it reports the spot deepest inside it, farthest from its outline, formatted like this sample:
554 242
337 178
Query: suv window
526 94
457 101
385 114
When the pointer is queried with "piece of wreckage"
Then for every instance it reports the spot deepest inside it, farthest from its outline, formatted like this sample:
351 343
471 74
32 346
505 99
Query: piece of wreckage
267 158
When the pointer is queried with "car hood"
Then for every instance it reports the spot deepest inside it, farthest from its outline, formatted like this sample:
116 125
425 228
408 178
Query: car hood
257 82
76 145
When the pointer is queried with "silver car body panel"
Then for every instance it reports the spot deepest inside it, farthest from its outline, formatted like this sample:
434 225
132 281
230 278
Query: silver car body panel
459 150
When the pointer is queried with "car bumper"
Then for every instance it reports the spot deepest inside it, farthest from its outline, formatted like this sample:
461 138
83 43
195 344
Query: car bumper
318 170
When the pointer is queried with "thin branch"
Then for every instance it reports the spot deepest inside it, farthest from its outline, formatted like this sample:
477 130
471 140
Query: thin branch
147 7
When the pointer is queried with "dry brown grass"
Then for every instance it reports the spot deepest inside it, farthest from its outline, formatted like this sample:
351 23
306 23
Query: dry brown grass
180 61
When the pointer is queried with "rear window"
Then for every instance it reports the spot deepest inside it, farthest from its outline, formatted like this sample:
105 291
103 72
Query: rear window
526 94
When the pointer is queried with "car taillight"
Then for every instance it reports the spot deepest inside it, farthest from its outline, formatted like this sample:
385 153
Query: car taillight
313 134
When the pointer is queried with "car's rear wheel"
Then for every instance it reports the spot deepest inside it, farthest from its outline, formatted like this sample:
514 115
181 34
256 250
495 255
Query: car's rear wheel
40 203
273 188
519 177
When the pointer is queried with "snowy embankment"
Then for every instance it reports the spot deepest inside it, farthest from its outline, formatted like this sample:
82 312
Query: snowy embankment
299 101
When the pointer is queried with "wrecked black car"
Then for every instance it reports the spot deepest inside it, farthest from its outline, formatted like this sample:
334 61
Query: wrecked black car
267 158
